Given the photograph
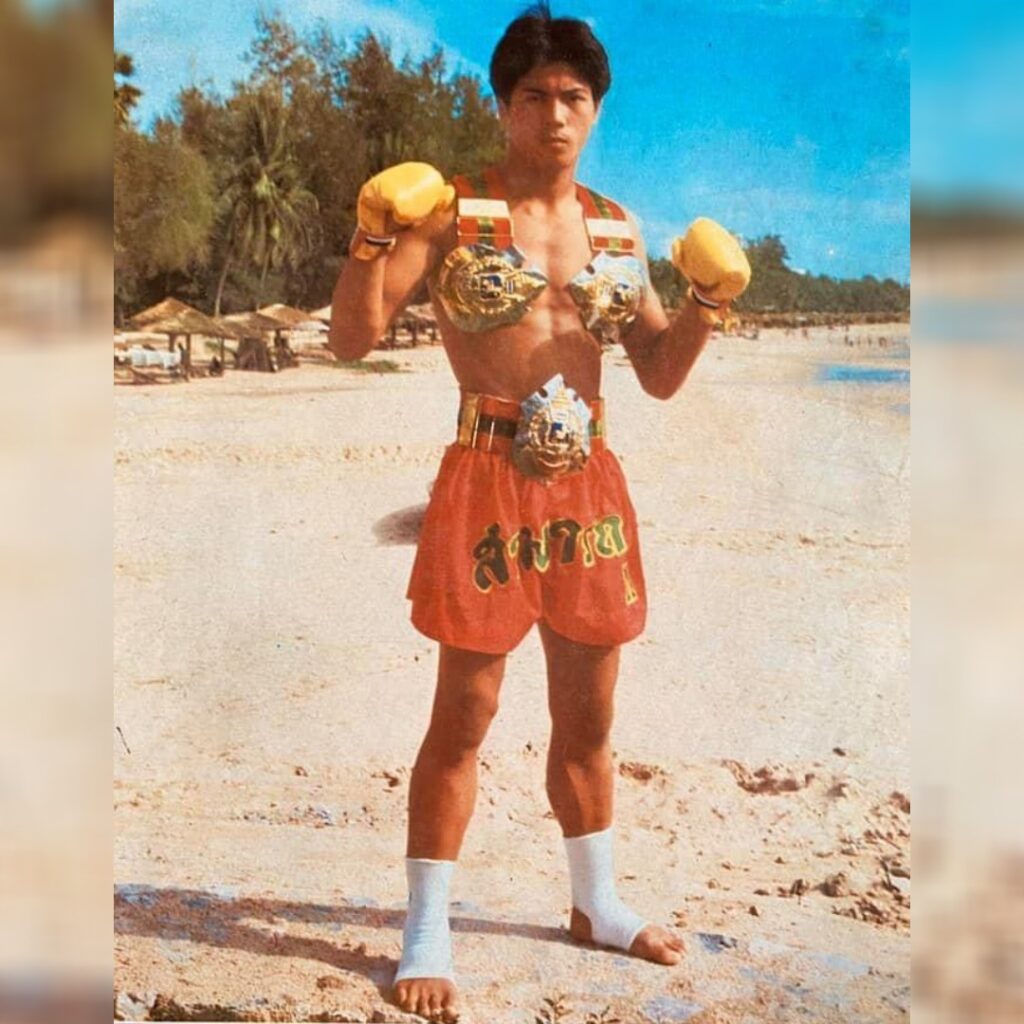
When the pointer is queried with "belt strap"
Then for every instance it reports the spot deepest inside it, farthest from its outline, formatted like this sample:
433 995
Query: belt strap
489 424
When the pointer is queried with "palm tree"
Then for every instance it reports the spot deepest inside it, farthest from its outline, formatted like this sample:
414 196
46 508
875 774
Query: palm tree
272 219
125 95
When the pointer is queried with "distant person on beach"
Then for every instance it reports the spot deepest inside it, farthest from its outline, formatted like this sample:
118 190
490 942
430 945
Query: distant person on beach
529 521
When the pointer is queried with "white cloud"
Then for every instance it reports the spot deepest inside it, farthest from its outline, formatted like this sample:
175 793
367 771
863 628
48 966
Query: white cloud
189 44
411 30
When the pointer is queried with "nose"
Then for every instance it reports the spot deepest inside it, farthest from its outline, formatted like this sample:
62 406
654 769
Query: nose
558 112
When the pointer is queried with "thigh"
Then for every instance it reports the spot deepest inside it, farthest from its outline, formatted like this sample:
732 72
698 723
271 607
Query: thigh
593 590
581 684
468 684
467 588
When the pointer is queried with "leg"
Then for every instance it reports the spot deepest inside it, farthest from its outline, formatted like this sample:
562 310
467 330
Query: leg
581 689
441 798
580 784
442 791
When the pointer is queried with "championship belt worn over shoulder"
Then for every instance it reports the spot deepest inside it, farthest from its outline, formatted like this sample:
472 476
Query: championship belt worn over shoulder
484 282
610 290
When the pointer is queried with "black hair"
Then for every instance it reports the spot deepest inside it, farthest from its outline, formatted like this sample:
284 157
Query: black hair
536 38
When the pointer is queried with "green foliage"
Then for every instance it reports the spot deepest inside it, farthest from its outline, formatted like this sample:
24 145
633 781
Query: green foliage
767 253
164 208
271 219
287 153
775 288
126 95
667 282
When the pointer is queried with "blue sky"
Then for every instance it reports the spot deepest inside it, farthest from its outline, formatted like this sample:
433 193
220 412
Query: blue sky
783 116
968 99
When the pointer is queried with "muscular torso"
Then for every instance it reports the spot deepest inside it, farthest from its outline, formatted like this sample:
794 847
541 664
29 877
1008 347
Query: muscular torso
513 361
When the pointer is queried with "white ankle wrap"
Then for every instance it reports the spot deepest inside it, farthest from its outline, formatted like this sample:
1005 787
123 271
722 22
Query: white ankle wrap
592 875
426 938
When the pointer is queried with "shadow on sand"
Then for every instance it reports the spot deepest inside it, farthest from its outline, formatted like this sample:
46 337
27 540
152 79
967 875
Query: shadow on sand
401 527
252 924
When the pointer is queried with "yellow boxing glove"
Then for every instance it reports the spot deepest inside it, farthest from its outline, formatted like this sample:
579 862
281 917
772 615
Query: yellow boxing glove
395 199
716 266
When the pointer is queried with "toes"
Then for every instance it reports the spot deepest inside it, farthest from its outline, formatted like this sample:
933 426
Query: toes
402 996
432 1001
448 1014
660 946
411 999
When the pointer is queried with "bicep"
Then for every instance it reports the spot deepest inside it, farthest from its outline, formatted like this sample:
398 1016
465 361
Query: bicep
651 318
650 321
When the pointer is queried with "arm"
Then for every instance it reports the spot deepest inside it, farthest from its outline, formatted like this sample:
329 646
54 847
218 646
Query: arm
663 352
403 213
369 294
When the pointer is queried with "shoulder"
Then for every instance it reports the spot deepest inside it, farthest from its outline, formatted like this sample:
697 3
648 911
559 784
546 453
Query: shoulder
608 206
597 205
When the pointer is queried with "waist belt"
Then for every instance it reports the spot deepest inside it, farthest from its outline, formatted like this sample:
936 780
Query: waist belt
491 424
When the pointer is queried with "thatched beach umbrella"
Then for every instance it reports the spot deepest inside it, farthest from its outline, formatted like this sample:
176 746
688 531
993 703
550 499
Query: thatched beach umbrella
288 315
424 313
277 319
174 318
417 318
252 325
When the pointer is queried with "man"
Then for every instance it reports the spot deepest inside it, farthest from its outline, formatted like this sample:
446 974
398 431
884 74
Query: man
529 520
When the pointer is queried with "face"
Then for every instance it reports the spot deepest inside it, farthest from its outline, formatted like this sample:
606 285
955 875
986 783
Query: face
549 115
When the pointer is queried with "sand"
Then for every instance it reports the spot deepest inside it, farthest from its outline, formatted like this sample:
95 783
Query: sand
271 694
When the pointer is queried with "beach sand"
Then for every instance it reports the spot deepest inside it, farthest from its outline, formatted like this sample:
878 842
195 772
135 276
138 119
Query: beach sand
271 694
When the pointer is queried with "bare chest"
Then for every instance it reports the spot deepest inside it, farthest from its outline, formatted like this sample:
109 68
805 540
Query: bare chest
558 247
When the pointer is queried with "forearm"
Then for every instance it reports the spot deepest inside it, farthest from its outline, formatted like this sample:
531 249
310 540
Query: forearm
358 316
663 364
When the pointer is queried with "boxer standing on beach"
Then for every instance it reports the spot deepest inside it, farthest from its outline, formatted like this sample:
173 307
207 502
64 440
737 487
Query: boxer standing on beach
529 520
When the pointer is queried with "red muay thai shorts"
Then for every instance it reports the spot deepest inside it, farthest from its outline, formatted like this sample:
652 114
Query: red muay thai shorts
500 551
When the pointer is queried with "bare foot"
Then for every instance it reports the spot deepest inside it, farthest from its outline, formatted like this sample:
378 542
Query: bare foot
433 998
654 943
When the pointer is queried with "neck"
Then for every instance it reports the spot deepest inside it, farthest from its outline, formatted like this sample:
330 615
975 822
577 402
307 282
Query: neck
524 179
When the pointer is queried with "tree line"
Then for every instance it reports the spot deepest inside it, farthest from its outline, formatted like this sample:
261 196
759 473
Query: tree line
232 202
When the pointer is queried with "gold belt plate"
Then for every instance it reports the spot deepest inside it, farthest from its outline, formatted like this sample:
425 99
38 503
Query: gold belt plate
553 437
482 288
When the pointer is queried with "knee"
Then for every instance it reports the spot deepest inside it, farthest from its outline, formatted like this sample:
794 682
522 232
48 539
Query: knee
585 742
458 734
